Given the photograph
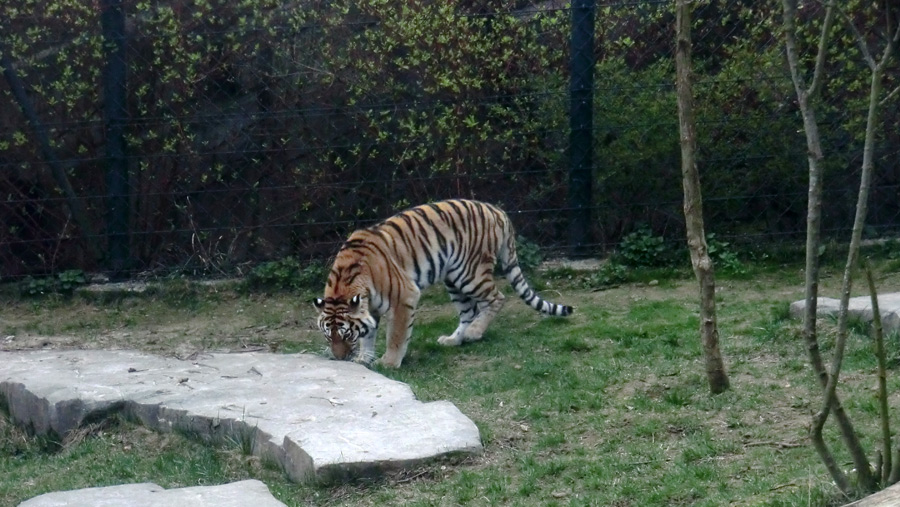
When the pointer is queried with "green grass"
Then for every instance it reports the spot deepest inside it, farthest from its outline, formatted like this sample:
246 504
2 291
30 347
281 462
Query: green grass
115 454
607 407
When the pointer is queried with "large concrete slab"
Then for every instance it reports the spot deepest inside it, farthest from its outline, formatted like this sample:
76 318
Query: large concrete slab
859 307
322 420
236 494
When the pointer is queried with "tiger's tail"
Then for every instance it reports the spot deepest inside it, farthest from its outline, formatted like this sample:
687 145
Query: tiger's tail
509 263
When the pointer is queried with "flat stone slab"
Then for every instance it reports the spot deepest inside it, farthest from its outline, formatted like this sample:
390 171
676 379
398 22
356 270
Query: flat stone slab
236 494
859 307
322 420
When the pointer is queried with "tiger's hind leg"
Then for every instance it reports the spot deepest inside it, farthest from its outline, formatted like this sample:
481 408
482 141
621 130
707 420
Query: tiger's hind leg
488 308
467 309
475 313
488 300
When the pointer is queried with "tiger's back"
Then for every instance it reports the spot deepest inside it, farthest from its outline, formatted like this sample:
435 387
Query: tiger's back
384 268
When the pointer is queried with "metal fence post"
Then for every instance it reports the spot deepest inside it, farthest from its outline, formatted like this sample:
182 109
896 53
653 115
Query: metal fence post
581 146
115 113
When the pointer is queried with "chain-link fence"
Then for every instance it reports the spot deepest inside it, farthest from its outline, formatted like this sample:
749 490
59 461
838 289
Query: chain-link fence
208 135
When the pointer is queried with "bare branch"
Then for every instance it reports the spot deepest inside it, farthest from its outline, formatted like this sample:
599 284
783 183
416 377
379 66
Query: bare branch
885 467
866 480
813 236
896 38
889 96
890 45
790 42
820 54
860 40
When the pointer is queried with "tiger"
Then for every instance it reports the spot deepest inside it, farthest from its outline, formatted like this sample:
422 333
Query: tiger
385 268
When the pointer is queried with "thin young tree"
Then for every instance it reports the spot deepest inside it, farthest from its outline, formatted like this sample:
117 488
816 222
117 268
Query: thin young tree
877 68
866 480
693 204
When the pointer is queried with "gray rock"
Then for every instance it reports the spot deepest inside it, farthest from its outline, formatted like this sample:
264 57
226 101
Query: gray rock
321 420
859 307
236 494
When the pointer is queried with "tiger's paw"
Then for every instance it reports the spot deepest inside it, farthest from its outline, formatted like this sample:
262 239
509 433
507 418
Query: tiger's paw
473 333
453 340
365 361
390 362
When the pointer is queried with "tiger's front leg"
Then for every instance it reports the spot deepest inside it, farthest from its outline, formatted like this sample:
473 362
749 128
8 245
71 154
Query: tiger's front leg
399 332
366 353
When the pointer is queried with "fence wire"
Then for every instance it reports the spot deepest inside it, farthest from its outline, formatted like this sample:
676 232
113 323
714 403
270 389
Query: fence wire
256 130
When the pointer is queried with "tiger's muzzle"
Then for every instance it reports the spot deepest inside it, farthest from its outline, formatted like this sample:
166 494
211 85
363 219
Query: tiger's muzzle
340 349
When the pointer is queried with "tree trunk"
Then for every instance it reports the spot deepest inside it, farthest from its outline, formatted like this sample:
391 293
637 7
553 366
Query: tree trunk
813 219
866 480
886 465
828 379
693 205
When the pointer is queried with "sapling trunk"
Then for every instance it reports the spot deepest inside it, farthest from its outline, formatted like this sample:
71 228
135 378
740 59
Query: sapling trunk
693 205
878 335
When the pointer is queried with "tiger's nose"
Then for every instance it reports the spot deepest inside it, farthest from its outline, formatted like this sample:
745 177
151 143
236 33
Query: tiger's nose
339 348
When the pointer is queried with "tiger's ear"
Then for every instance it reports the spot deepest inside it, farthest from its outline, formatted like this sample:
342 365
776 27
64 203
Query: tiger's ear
319 303
354 303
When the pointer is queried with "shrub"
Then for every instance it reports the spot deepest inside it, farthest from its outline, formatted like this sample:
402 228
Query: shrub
642 249
529 254
287 274
725 258
609 275
63 283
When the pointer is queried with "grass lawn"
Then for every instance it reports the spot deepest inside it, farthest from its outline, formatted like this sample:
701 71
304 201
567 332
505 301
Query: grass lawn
607 407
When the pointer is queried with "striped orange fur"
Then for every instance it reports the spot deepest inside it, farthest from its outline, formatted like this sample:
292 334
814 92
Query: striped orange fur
384 268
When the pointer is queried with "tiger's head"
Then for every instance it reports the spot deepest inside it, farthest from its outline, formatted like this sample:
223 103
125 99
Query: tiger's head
346 323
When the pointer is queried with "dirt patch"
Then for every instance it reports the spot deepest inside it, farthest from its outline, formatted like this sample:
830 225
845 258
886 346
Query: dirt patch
162 324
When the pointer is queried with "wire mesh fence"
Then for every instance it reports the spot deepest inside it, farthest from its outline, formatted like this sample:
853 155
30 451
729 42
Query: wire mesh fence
209 135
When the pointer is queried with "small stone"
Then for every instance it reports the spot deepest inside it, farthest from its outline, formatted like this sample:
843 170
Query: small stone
859 307
236 494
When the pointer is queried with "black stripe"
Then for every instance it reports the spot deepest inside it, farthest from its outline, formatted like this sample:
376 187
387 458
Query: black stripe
409 246
425 244
455 280
480 284
430 271
409 222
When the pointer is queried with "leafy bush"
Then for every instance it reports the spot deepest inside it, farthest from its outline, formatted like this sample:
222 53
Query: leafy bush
724 257
68 281
609 275
34 287
288 274
267 124
63 283
642 249
529 254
